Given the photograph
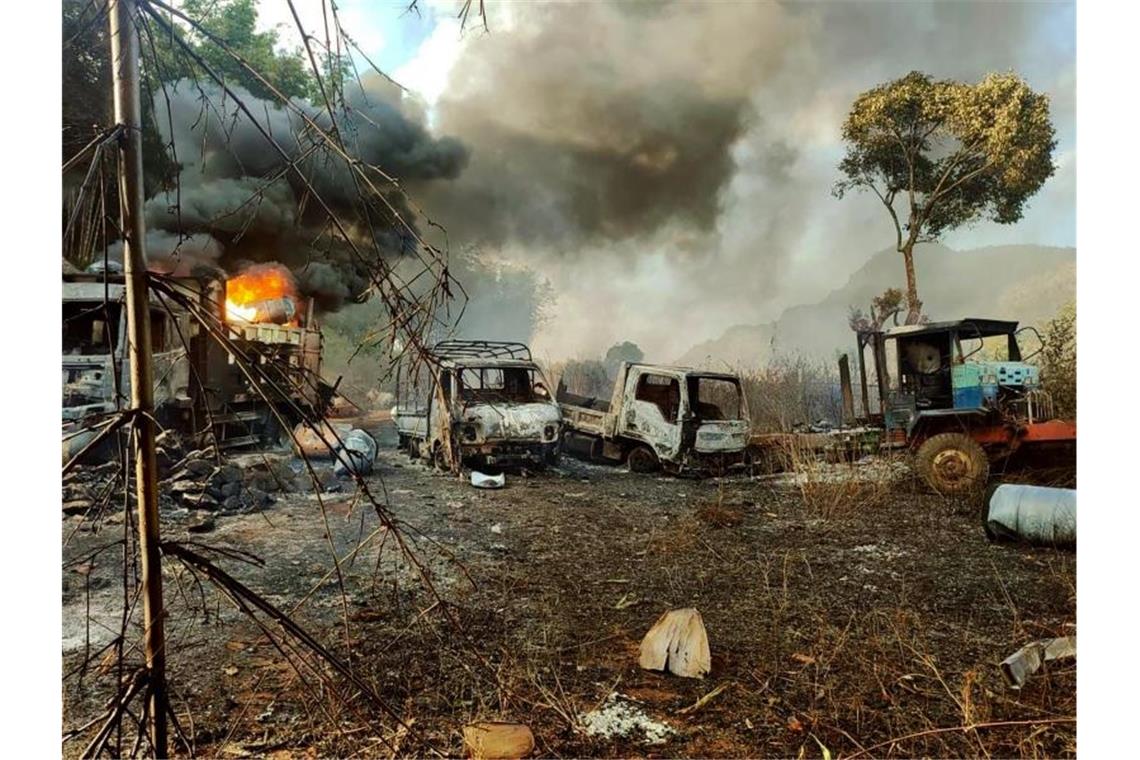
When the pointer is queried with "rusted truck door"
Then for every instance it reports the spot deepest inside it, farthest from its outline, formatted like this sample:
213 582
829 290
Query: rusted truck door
653 408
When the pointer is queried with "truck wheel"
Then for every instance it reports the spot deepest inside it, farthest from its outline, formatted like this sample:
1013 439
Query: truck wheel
551 456
952 463
438 459
642 459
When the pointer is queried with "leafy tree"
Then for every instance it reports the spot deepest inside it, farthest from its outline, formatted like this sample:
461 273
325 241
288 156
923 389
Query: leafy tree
87 107
950 153
621 352
235 22
1059 360
87 63
884 306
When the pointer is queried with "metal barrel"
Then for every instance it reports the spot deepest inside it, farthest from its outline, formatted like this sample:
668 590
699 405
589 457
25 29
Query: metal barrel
1035 514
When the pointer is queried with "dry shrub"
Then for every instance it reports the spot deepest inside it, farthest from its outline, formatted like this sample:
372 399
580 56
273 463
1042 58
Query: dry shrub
583 377
679 536
836 490
718 515
884 666
790 391
1058 361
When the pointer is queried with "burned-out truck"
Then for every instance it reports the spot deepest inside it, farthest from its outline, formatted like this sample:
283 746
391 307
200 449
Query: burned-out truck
478 402
661 417
199 387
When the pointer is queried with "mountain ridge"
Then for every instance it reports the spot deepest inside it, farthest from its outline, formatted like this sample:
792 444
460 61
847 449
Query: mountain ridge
1023 282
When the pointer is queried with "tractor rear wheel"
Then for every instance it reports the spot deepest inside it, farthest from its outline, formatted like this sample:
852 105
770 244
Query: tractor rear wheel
952 464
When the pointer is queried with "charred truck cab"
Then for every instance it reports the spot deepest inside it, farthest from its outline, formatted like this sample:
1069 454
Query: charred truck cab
662 417
481 403
198 389
961 395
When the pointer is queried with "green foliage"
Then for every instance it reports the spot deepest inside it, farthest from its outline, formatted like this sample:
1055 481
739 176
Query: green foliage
1059 361
235 22
87 105
884 306
958 152
86 75
951 153
87 67
621 352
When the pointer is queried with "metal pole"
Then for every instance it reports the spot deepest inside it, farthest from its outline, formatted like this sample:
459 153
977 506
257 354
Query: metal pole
128 114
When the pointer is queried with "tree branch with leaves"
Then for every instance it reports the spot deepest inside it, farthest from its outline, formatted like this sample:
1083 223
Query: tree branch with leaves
940 154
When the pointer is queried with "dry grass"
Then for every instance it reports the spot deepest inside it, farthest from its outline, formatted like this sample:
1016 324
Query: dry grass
718 515
873 632
832 490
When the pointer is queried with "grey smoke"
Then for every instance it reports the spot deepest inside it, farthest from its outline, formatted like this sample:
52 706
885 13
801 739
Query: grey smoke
668 166
236 188
174 254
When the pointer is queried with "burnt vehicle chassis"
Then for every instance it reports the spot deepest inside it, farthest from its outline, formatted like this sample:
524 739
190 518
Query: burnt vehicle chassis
201 390
658 419
477 403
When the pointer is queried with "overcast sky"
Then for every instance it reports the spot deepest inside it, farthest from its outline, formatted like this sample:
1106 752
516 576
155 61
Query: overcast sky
763 234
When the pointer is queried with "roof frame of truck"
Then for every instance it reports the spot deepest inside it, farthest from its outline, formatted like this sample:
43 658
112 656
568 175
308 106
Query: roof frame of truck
481 349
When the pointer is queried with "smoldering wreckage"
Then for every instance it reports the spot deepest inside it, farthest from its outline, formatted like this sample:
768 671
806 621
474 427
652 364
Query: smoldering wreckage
238 443
637 570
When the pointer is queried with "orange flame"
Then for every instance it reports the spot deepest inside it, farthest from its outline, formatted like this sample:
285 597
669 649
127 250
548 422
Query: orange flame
261 282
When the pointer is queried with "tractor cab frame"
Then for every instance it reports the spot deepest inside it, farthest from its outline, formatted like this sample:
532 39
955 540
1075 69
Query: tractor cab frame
960 394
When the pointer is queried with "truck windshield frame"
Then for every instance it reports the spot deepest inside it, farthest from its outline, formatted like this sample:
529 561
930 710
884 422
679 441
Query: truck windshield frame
715 398
91 328
497 384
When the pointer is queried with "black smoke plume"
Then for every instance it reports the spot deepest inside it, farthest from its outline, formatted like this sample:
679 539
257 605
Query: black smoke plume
239 201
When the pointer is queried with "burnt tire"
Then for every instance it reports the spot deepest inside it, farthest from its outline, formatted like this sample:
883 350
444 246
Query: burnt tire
953 464
438 458
642 459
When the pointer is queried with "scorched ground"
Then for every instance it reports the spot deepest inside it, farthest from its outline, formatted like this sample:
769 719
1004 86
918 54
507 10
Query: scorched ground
884 620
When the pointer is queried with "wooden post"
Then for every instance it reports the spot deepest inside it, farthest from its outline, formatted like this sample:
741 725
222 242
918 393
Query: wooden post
128 115
845 388
862 342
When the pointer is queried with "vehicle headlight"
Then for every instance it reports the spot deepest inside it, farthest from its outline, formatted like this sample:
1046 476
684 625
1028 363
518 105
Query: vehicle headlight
550 433
470 433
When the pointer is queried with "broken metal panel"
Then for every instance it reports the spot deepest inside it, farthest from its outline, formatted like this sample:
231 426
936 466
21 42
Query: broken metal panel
518 422
662 407
193 373
722 436
643 420
1019 666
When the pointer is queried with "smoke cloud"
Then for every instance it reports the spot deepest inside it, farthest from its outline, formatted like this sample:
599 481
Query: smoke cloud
668 167
239 202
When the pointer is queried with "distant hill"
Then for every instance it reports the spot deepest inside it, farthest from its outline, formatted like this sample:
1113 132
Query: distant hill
1023 282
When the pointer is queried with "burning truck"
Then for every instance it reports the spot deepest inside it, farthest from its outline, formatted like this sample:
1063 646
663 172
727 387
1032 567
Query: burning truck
206 333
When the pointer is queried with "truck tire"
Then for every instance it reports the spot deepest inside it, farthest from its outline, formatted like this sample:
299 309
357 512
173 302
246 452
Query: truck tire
439 458
953 464
642 459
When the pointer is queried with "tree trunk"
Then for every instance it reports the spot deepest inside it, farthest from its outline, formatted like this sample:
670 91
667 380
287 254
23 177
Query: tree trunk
913 305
